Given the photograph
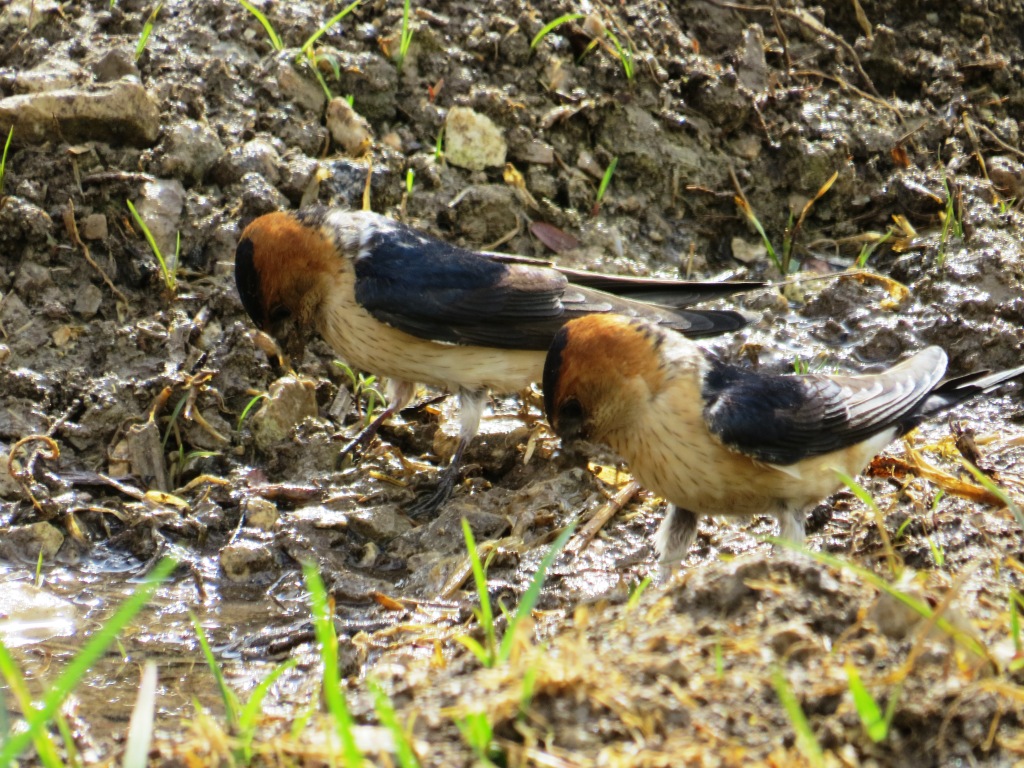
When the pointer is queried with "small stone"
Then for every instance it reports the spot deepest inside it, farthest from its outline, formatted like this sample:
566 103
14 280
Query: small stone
261 513
748 252
393 140
589 165
472 140
256 156
94 227
121 112
243 560
258 196
5 353
9 487
190 150
160 206
32 279
288 402
114 65
297 89
348 128
22 222
485 213
27 541
45 79
381 523
297 174
534 151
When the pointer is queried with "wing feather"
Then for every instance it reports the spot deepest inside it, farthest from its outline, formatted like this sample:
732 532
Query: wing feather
783 419
438 291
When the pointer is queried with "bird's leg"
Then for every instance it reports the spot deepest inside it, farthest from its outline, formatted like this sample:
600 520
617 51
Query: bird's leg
674 537
399 395
791 524
471 406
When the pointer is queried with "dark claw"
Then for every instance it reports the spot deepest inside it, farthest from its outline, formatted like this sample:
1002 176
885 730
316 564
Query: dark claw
428 504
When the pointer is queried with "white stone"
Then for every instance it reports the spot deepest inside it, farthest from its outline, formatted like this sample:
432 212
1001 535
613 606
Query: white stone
472 140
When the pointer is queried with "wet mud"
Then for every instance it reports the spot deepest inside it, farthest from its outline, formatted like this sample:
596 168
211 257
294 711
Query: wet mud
139 420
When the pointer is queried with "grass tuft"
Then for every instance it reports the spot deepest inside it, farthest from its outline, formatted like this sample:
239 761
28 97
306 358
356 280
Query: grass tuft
951 222
389 719
405 38
895 564
167 270
323 626
625 54
550 27
275 39
490 653
242 719
147 30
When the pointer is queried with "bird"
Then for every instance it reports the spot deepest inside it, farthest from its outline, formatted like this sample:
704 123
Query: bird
394 301
713 438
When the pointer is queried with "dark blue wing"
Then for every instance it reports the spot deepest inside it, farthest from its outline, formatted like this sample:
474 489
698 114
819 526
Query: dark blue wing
783 419
434 290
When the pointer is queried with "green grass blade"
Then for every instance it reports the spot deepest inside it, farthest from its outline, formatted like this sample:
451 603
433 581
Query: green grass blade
405 39
637 592
875 725
869 501
323 626
73 760
625 55
275 40
806 741
226 694
532 593
918 606
550 26
3 159
169 278
10 672
36 719
147 30
480 579
389 719
308 45
473 646
253 707
477 731
986 482
606 179
248 407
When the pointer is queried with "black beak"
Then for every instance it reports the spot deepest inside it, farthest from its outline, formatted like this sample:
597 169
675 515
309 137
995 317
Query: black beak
570 421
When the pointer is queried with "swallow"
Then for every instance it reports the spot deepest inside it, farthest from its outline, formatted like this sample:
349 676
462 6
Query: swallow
713 438
396 302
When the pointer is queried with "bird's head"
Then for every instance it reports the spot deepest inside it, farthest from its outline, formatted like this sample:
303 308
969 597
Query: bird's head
599 373
280 265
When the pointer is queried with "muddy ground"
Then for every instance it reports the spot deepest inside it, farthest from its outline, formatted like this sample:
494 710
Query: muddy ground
917 108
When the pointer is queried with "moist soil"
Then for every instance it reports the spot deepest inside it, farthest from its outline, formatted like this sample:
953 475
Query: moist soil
138 421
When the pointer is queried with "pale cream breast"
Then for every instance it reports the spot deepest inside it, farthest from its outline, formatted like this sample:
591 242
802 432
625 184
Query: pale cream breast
367 343
671 452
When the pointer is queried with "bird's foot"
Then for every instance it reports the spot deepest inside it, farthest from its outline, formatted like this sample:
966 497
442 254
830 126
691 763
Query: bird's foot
428 504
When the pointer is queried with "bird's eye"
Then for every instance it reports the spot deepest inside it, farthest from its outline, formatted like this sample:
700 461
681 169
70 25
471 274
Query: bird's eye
279 314
570 411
